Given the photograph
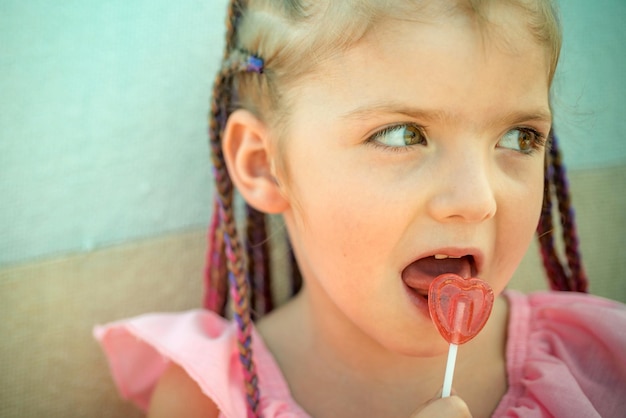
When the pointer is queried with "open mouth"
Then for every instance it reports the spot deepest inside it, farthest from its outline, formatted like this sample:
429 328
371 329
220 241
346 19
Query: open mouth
419 274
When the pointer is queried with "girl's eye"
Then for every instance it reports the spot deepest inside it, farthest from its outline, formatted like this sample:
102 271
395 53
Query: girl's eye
398 136
524 140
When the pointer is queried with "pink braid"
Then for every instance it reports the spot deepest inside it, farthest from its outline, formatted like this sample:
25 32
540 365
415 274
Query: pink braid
215 283
223 236
234 255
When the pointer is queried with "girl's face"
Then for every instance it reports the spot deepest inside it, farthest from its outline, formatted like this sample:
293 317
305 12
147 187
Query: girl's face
425 140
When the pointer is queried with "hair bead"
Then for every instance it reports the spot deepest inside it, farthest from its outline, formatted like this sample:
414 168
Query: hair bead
255 64
240 60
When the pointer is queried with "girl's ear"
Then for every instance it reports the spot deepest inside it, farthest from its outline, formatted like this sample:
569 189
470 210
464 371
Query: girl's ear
247 152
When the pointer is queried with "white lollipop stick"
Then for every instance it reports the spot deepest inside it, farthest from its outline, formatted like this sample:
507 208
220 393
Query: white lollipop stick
450 364
447 377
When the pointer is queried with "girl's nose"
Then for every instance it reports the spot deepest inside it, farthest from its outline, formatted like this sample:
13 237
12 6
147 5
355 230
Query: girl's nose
464 193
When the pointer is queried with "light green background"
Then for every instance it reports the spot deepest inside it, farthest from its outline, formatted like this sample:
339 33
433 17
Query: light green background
103 115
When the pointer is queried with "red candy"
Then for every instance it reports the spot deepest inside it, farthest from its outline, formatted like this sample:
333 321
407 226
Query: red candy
459 307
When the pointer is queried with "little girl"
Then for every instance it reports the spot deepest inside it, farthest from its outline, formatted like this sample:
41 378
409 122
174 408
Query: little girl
399 140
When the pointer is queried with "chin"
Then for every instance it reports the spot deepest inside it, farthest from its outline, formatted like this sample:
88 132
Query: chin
422 346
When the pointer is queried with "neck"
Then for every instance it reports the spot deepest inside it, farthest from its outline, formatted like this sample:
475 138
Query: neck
329 362
341 359
345 344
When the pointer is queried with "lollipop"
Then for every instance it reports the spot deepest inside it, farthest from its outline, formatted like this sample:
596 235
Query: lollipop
460 309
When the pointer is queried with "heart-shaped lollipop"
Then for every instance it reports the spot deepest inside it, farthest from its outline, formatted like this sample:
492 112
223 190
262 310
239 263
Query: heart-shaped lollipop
459 307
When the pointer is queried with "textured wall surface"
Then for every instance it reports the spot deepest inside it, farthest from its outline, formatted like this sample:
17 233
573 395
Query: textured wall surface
103 116
590 88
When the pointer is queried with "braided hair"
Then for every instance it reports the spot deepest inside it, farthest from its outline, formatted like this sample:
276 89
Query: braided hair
240 272
565 274
226 252
232 269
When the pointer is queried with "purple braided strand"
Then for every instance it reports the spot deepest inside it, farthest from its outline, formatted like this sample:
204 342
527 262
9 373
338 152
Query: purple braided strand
577 280
241 312
216 270
225 224
545 231
238 281
572 277
257 250
296 275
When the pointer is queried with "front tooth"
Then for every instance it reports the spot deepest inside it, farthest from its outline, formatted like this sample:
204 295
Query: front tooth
443 256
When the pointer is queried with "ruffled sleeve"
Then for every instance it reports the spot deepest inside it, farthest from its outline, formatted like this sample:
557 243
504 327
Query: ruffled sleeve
566 357
205 346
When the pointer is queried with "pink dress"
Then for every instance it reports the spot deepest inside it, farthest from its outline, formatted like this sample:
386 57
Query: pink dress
566 357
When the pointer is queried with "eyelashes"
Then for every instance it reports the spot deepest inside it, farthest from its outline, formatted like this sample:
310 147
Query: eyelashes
524 140
401 137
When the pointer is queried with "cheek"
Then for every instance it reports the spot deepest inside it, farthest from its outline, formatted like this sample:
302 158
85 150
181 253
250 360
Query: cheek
342 221
522 193
519 215
338 216
534 200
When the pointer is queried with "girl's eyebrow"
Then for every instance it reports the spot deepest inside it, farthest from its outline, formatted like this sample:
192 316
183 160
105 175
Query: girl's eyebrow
372 110
538 115
518 117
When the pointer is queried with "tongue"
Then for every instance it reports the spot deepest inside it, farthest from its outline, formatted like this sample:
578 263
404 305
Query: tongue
420 273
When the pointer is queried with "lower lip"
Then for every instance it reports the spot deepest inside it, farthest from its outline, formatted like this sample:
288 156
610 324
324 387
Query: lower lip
417 299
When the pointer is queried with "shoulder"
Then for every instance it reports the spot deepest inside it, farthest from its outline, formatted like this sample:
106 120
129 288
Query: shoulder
177 394
172 356
167 362
576 309
579 322
567 342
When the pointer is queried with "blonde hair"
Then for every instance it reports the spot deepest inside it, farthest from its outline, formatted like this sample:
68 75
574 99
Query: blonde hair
294 36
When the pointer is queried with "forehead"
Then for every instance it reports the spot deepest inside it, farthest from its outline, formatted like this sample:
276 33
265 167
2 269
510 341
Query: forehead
446 62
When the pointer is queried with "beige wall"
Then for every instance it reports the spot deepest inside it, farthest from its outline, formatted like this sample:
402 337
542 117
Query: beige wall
50 366
599 197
